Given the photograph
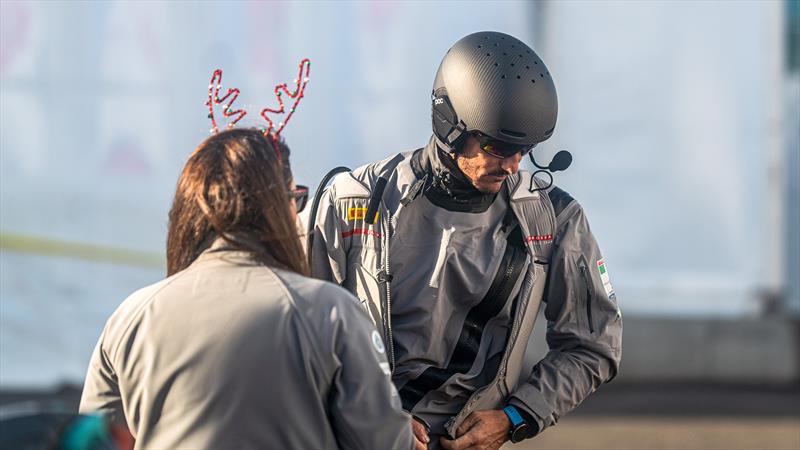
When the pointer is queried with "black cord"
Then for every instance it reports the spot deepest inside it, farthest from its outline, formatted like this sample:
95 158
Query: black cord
312 218
530 187
530 155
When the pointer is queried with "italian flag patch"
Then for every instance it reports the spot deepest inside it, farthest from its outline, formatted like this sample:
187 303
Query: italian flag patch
601 267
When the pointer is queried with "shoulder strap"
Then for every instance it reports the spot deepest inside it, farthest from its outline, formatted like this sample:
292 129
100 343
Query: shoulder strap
537 211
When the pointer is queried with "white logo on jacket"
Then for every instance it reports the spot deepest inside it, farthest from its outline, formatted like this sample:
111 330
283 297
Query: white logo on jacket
377 342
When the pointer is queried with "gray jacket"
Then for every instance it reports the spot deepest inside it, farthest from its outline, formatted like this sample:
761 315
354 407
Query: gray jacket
584 322
232 354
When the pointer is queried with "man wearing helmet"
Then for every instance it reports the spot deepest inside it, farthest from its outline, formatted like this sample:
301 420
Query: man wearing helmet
453 249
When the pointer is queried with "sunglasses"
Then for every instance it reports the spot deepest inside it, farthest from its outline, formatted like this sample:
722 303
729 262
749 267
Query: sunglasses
300 196
500 149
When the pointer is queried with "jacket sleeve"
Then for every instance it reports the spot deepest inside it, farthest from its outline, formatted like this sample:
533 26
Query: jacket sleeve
584 325
328 255
101 390
364 404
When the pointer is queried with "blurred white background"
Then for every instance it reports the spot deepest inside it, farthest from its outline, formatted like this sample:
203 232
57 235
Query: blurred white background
682 118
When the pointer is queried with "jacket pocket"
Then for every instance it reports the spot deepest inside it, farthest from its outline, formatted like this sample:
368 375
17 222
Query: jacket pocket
586 284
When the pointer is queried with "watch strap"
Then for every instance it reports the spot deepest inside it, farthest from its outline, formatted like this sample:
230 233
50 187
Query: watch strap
514 416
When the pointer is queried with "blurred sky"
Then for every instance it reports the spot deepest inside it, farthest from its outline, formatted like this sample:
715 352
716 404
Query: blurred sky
681 117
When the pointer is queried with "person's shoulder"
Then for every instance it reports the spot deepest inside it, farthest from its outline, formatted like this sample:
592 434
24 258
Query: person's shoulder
377 168
138 299
359 182
566 208
328 312
310 293
129 311
561 199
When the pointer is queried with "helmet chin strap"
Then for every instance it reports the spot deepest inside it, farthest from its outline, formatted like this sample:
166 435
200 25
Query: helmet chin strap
561 161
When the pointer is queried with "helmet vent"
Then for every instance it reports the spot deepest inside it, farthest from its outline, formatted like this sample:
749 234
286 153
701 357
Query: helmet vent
514 134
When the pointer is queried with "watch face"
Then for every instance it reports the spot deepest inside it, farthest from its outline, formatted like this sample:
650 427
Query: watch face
519 433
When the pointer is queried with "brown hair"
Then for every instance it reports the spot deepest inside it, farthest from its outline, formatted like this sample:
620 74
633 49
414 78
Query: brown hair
235 187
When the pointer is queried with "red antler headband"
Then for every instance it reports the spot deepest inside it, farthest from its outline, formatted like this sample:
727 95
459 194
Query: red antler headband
213 98
300 86
301 81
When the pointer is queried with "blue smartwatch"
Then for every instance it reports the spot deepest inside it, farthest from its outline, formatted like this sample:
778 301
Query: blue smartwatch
519 428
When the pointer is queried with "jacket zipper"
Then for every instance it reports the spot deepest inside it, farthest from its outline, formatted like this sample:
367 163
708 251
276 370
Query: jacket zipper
585 276
388 312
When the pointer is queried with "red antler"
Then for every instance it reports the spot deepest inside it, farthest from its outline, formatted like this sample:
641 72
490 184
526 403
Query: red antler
300 87
213 98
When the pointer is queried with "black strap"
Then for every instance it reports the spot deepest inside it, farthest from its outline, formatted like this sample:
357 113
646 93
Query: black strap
466 348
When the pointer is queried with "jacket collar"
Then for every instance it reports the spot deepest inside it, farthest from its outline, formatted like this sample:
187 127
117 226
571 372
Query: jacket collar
221 248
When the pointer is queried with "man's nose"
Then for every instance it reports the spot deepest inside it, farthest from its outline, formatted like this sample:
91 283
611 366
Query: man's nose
510 165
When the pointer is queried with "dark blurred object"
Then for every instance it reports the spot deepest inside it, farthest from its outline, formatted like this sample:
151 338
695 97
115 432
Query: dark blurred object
32 431
62 431
682 400
47 420
61 399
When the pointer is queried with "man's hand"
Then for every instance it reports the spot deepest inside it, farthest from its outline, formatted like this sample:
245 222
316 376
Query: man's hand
483 430
421 438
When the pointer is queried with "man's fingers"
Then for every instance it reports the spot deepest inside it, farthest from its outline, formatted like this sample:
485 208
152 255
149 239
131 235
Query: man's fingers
458 444
419 431
447 444
467 424
419 445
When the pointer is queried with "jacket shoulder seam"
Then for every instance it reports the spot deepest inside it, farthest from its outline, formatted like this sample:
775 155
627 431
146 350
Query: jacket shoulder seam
560 199
347 185
297 313
138 311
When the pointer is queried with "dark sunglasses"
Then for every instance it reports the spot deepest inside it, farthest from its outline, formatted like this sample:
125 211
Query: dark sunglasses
300 196
500 149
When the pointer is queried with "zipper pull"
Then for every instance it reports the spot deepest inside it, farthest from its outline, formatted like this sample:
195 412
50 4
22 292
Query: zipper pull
450 422
384 277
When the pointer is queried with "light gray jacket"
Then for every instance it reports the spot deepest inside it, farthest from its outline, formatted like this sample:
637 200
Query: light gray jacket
233 354
584 330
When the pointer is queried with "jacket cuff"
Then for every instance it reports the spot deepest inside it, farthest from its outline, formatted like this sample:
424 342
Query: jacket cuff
530 400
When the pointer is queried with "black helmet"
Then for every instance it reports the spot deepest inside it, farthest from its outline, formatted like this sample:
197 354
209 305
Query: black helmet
495 84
